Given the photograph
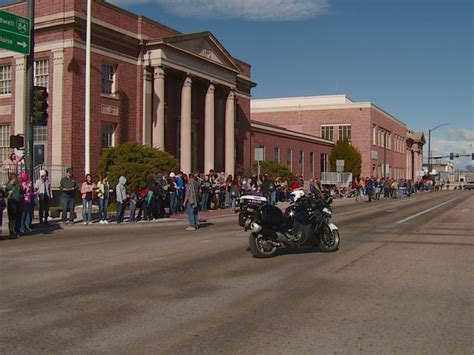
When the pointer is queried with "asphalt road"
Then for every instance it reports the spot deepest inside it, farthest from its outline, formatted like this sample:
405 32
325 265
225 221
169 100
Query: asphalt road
401 282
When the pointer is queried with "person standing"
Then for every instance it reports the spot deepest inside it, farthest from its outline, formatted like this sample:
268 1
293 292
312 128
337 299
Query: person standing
132 208
28 204
206 187
191 203
3 205
121 194
68 187
45 194
87 192
13 193
234 194
103 194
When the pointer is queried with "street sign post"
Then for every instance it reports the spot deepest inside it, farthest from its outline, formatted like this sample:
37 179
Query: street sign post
15 33
259 155
340 166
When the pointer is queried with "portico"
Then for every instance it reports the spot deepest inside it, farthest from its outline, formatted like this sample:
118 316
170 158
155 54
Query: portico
190 101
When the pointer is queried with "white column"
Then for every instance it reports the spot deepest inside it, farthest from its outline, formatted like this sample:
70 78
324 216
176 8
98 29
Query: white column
20 94
147 107
159 108
185 142
57 114
209 146
230 134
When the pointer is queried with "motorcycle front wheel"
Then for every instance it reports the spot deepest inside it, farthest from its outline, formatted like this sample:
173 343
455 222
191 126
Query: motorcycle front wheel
261 247
329 240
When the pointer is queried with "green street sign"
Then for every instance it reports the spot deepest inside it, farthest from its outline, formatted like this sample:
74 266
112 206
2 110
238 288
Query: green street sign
15 33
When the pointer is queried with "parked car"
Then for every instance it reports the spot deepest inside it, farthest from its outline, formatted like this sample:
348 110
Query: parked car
469 186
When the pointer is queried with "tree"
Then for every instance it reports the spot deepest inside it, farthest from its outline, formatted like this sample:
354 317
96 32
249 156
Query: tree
274 169
135 162
351 156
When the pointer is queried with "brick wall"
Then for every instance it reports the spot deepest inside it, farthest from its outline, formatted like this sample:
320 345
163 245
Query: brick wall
361 121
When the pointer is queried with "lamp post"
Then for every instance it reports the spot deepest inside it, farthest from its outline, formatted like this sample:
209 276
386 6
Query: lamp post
429 145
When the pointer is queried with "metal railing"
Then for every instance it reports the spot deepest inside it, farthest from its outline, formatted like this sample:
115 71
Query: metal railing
333 178
55 173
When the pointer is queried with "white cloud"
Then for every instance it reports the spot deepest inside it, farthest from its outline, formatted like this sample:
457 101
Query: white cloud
461 134
255 10
458 141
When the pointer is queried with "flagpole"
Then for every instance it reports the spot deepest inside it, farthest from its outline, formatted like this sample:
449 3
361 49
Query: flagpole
87 140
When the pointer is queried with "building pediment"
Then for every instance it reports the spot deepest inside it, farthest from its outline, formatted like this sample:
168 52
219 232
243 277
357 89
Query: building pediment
204 45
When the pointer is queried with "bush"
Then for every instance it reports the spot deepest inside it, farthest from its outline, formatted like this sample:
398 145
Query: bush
351 156
274 169
135 162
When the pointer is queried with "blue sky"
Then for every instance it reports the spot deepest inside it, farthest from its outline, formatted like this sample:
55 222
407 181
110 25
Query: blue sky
413 58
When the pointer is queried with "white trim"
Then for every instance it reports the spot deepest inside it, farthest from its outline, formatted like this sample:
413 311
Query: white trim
314 103
57 106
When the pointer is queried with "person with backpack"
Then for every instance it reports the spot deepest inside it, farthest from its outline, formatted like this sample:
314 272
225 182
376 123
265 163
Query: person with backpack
13 203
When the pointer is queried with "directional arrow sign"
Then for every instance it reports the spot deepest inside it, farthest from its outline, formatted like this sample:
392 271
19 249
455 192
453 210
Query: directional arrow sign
15 33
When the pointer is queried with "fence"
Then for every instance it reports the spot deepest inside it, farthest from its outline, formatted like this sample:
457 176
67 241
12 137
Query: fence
339 179
55 173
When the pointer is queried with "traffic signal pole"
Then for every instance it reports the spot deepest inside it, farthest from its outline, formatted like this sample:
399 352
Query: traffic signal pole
30 60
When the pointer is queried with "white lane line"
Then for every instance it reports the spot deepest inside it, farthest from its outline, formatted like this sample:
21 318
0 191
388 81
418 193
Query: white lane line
368 208
426 211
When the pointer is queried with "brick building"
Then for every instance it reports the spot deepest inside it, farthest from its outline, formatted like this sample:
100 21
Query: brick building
380 137
183 93
303 154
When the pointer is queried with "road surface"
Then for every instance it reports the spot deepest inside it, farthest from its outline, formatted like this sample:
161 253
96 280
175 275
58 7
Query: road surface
401 282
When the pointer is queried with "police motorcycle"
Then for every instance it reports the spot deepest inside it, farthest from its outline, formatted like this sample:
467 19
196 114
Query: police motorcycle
249 204
305 223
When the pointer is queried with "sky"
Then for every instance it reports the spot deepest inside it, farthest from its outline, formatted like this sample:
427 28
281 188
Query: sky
413 58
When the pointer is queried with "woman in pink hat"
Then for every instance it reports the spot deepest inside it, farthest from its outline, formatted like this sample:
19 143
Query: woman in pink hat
28 203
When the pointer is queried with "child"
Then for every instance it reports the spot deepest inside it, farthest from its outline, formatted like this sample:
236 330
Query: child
3 205
132 207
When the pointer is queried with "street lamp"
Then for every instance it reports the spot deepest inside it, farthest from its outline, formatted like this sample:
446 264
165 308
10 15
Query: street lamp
429 145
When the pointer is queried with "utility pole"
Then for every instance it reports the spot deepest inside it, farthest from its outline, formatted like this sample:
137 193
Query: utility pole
30 60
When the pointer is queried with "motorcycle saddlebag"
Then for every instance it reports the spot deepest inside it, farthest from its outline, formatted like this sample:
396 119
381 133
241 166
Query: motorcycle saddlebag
270 216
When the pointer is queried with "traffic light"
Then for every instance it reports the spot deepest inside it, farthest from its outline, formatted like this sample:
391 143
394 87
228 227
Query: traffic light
472 156
40 106
17 142
451 156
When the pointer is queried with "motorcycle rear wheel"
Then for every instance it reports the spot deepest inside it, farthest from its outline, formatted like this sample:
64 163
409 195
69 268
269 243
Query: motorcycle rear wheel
329 240
260 247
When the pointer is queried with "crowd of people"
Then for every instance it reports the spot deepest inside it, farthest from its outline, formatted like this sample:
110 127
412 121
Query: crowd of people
166 194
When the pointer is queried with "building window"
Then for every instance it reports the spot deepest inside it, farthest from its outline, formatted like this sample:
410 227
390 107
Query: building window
324 163
108 79
301 162
5 149
289 159
311 165
5 80
345 132
374 135
276 154
327 132
42 73
108 135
